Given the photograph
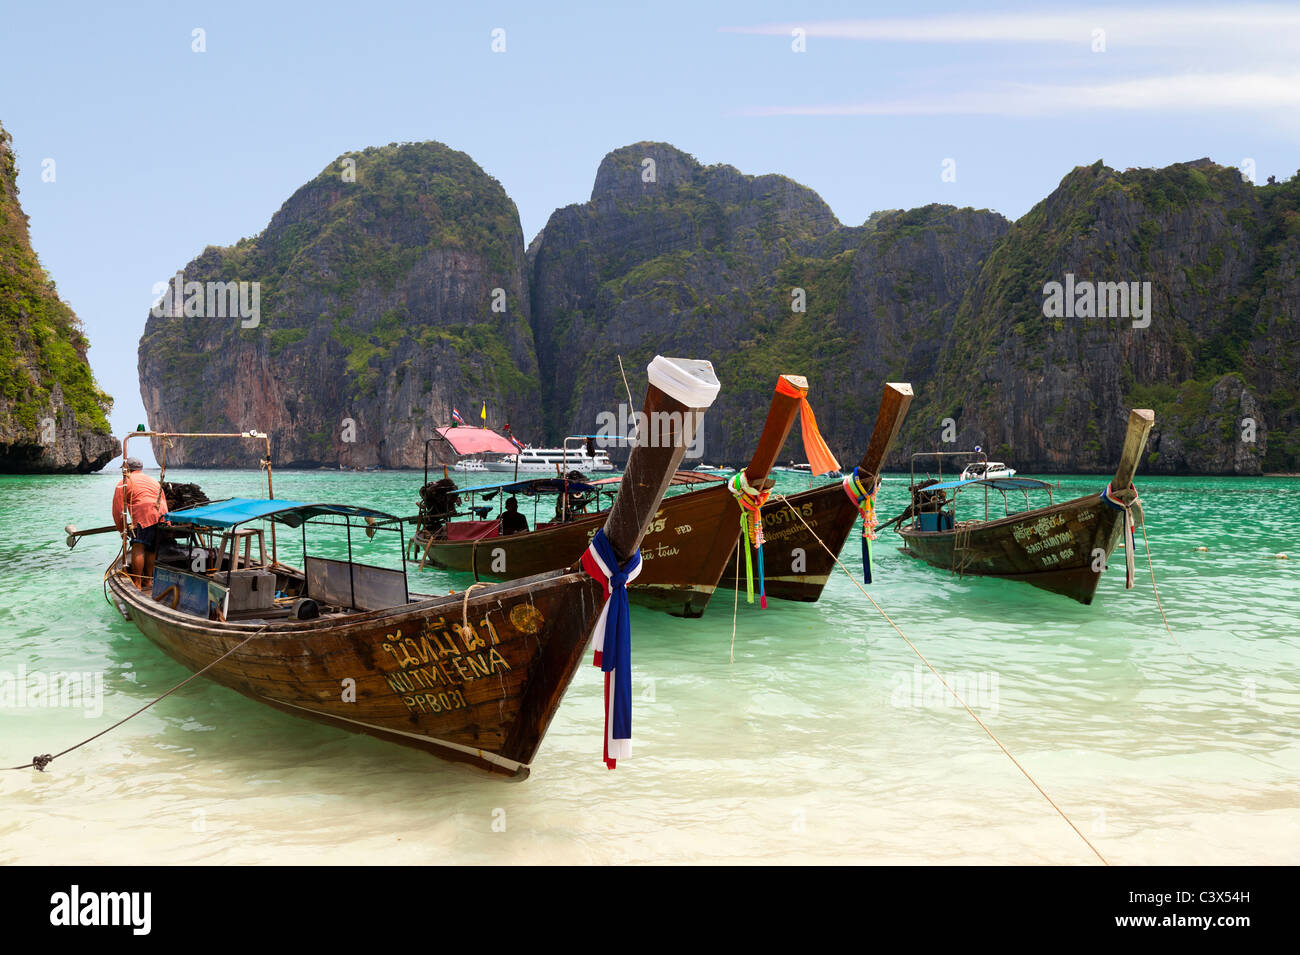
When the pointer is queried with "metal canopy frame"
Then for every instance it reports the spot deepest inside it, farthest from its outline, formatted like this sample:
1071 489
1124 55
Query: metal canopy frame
166 437
950 502
373 521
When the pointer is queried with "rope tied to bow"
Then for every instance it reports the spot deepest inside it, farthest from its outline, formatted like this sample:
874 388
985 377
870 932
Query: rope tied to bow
751 501
1126 500
865 501
612 640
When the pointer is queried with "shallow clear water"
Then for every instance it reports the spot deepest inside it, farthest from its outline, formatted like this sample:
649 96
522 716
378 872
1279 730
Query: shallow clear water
822 741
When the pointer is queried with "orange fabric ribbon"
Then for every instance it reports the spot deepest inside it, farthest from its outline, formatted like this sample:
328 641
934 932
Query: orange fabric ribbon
814 446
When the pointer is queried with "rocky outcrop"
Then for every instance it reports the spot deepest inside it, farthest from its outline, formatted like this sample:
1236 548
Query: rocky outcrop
53 417
389 290
1212 350
754 272
1209 428
377 314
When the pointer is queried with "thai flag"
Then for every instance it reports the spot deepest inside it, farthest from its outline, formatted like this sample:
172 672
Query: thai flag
612 639
455 416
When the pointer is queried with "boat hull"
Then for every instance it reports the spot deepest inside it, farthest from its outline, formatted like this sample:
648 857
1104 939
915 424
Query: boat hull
1062 548
482 694
805 532
796 565
683 554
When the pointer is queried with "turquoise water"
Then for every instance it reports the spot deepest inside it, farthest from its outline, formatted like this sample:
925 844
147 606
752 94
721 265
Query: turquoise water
820 742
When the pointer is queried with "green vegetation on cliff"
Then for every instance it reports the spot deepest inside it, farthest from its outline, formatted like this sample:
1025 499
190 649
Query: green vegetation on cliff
1220 257
42 345
391 286
753 272
377 303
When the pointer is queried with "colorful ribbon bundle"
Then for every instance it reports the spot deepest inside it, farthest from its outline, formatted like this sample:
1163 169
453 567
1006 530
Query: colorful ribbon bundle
751 503
1126 501
865 502
612 639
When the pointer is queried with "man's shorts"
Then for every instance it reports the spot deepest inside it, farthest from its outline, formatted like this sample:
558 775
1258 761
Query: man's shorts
147 536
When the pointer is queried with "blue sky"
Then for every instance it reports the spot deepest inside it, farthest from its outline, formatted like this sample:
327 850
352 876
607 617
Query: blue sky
159 151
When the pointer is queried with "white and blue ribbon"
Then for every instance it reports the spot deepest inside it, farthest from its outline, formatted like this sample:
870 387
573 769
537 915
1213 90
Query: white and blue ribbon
612 639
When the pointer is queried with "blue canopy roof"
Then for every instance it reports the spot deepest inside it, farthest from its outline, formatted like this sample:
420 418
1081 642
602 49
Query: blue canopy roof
237 510
531 487
1001 484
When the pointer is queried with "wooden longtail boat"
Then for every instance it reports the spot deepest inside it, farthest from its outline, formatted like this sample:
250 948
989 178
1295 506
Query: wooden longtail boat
685 550
796 564
1062 547
473 677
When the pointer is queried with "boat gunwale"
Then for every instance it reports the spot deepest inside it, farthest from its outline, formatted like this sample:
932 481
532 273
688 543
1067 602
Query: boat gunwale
151 608
905 530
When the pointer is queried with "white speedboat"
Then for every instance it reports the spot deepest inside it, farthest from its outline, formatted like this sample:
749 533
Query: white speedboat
986 470
470 466
806 468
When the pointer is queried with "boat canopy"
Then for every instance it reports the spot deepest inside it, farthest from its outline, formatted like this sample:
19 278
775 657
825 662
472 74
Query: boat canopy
680 477
238 510
1000 484
468 440
531 487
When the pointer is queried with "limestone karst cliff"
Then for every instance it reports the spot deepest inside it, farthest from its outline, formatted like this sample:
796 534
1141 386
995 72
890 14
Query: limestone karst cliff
52 413
388 300
389 289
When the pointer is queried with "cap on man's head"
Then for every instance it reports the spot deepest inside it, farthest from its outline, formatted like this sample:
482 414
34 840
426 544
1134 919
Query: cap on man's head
133 464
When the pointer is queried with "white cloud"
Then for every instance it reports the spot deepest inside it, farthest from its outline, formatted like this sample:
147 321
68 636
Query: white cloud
1175 59
1155 26
1198 92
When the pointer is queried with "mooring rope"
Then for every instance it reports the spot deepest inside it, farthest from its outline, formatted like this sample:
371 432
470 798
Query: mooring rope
1156 590
956 695
40 762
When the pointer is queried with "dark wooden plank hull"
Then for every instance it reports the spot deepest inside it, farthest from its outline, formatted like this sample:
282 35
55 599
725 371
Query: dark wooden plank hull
683 553
484 696
474 677
796 565
686 545
1054 548
1062 548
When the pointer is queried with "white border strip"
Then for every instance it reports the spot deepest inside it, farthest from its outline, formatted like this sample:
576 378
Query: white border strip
458 747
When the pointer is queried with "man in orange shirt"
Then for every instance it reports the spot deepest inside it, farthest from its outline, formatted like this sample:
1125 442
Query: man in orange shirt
144 499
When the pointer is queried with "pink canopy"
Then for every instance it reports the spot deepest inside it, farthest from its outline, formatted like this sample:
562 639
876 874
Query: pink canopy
467 440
